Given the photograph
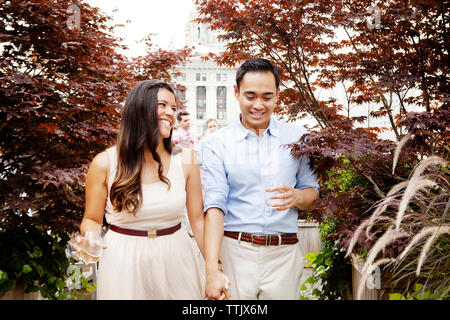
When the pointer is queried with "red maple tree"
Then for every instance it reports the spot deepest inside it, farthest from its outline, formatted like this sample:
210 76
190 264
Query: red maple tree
397 50
62 85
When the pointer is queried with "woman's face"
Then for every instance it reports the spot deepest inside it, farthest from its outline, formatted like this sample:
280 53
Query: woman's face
166 112
212 126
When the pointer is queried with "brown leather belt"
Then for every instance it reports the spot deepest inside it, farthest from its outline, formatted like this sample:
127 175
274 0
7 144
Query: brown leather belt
268 240
148 233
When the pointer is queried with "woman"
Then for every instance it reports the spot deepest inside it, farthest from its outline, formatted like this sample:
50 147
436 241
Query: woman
211 126
142 189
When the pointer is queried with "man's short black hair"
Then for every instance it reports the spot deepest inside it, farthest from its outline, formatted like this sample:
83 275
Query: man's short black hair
258 65
182 113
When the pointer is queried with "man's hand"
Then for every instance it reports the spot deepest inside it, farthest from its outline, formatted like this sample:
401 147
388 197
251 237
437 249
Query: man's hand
217 284
291 197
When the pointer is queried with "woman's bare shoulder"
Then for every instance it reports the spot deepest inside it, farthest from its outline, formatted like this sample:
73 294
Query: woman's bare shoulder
101 161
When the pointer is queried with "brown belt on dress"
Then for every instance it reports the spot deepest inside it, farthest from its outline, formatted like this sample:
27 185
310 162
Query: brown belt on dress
264 240
147 233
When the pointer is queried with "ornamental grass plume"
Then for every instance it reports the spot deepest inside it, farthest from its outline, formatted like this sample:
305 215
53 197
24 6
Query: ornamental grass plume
388 237
414 216
364 225
410 191
437 231
400 145
423 233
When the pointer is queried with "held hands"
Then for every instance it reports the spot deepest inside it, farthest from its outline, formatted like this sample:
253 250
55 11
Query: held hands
217 285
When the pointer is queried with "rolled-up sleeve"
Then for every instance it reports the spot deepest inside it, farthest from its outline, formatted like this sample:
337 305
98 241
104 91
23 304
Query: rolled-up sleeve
214 178
306 177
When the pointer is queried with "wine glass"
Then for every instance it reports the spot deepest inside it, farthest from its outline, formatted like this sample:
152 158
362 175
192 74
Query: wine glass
267 194
87 246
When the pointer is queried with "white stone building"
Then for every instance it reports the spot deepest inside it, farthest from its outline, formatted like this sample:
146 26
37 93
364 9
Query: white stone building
209 88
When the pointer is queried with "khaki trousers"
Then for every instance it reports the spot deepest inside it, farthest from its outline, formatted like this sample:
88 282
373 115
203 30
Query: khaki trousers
262 272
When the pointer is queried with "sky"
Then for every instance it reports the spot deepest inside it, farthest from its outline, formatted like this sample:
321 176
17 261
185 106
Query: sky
165 18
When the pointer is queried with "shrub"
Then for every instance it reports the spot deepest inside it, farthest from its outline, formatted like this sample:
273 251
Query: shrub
331 270
413 232
34 257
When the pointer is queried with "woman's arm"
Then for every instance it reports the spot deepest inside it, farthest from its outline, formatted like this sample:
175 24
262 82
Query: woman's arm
96 191
194 197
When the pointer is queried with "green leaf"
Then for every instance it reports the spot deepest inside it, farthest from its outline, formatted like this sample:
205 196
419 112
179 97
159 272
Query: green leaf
316 292
5 287
40 270
396 296
84 281
60 284
310 280
418 287
303 287
311 257
426 295
26 268
51 279
37 252
3 276
90 288
32 288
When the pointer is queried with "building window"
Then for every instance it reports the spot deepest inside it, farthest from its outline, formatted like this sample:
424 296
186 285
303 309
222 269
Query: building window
200 76
221 103
221 77
181 94
201 102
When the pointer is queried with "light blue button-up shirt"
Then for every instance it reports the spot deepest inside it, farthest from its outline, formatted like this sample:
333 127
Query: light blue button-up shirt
237 167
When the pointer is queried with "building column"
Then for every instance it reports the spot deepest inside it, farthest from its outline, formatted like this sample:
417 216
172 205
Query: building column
211 102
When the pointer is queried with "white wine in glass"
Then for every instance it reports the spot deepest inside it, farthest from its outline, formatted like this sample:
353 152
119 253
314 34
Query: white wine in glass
87 246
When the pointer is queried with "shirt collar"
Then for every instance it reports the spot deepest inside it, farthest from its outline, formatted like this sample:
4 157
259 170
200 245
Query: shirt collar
182 131
243 132
273 128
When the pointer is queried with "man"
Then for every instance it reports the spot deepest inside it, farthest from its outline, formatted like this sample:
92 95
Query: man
256 240
182 137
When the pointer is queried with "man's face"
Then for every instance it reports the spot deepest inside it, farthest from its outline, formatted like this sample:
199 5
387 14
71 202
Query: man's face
185 122
257 97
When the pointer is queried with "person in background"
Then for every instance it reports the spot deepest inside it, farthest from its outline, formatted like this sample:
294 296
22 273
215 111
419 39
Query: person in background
181 137
142 189
211 127
252 190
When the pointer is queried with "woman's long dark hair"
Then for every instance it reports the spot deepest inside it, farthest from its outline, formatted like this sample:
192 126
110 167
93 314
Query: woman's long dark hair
138 128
